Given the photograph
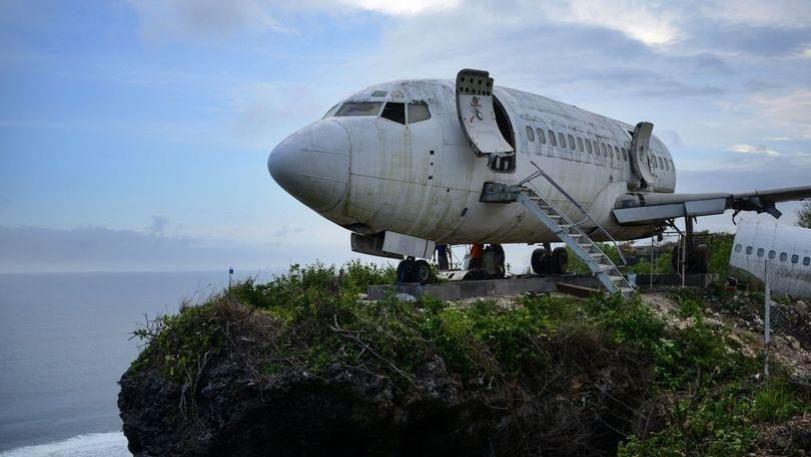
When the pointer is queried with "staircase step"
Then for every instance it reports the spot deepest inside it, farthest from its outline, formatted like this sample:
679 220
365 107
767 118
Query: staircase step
568 232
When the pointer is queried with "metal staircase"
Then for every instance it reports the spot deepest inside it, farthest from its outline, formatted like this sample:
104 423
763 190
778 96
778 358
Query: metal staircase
567 231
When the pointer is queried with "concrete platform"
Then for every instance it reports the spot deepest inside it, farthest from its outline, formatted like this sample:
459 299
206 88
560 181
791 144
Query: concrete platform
456 290
690 280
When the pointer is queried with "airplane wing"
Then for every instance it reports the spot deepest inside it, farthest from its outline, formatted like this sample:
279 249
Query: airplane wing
643 208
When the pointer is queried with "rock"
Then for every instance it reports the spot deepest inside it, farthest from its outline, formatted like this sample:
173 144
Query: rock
407 298
228 408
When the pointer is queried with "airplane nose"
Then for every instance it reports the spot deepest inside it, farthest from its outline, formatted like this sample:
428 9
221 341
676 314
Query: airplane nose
312 164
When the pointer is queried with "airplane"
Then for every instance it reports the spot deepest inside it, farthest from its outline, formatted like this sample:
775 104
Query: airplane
777 251
412 167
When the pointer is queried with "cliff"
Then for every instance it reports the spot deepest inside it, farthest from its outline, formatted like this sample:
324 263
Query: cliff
304 365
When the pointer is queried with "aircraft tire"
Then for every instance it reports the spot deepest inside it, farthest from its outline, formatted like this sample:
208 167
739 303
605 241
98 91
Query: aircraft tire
422 272
406 271
538 261
559 260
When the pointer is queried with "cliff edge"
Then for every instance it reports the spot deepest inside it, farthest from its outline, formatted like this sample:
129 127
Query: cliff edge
304 365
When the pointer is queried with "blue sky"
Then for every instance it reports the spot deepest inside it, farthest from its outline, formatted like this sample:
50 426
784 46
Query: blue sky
134 134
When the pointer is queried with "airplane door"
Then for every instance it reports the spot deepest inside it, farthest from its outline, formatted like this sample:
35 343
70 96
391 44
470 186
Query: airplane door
477 115
640 153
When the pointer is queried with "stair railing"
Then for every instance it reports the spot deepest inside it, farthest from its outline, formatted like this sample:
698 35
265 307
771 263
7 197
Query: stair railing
571 199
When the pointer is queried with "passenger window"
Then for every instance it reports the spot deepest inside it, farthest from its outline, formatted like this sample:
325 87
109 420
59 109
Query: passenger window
738 248
605 153
418 112
624 154
748 250
360 109
530 134
653 161
588 145
795 258
394 111
571 142
667 166
772 254
661 165
580 144
552 138
760 252
541 136
783 256
806 261
562 140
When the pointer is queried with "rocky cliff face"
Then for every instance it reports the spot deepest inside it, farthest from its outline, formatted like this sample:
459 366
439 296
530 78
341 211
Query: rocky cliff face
303 366
229 402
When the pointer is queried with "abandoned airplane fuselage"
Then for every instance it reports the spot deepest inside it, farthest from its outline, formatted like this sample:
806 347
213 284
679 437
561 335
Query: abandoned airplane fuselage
394 157
777 253
409 164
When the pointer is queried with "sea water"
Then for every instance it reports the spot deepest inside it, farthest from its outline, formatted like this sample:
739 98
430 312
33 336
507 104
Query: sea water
65 341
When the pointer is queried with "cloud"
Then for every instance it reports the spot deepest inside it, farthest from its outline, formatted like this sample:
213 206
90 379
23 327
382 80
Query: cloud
159 224
671 138
753 149
746 173
204 18
789 112
264 111
401 7
756 40
642 21
32 249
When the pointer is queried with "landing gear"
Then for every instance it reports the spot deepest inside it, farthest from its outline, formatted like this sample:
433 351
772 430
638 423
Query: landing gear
545 262
410 270
486 263
696 259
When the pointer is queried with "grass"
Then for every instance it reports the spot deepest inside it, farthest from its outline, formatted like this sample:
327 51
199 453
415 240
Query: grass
311 319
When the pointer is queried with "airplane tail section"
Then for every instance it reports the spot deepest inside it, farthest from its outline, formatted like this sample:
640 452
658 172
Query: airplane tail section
645 208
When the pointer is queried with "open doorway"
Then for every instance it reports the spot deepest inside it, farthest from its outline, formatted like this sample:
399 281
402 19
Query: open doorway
505 163
503 121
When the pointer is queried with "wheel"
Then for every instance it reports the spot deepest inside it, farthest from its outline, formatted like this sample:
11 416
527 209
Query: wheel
421 271
405 271
560 260
538 261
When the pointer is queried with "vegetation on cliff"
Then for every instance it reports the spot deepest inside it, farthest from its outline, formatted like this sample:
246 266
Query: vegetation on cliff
541 374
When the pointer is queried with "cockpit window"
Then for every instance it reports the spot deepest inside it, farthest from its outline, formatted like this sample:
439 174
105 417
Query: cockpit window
394 111
418 112
360 109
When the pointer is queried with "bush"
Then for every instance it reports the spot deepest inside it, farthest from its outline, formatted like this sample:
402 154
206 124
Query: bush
775 402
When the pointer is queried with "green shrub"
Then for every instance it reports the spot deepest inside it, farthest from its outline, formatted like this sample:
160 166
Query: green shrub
775 402
703 425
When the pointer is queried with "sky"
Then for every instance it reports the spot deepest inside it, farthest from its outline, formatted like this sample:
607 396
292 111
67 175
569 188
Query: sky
134 134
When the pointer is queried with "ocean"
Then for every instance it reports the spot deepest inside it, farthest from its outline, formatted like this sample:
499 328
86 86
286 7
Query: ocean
65 342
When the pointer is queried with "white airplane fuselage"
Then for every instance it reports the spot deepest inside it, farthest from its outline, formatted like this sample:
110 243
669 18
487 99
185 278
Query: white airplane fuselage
371 174
777 251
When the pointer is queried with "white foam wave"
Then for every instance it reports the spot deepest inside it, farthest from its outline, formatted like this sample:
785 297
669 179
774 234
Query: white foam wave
112 444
